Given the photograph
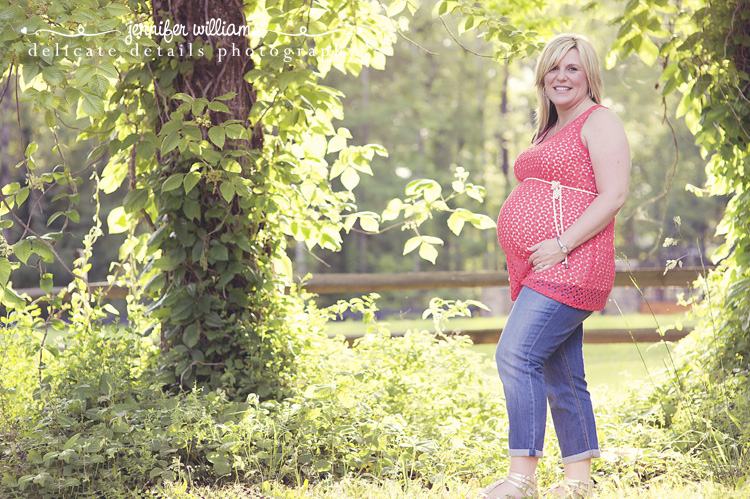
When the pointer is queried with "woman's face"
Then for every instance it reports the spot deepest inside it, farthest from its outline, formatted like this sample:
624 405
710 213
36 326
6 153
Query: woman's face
566 84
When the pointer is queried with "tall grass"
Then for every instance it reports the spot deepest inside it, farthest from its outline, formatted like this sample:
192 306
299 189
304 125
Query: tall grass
413 416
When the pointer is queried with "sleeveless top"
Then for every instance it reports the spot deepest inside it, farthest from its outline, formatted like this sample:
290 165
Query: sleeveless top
556 186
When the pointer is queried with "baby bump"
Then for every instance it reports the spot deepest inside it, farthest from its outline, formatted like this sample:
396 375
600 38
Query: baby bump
529 216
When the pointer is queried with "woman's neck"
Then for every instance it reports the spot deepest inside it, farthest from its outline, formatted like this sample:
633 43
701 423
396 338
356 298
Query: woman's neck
565 116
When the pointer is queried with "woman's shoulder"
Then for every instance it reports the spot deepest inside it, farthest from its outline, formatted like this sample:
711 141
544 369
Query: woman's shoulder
602 126
602 116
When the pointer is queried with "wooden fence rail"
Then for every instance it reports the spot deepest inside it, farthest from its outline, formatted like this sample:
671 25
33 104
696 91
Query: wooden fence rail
365 283
645 278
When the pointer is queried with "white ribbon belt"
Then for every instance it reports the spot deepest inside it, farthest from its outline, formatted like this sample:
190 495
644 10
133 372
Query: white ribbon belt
557 206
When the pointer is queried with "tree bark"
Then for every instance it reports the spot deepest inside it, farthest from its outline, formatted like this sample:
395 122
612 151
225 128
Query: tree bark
211 78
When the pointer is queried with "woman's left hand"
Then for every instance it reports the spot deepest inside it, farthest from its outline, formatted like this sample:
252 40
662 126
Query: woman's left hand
545 254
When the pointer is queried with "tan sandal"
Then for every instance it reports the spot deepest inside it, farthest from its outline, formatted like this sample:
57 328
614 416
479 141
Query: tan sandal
571 489
524 484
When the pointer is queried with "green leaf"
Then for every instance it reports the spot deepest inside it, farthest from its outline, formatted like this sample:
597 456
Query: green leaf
136 200
53 75
117 220
106 384
73 216
412 244
337 143
31 148
475 192
173 182
12 188
9 481
631 6
443 9
117 9
286 78
22 195
456 223
22 250
369 224
428 252
396 7
648 51
170 142
57 324
235 131
231 165
93 105
217 135
43 251
183 97
11 299
218 107
432 240
109 308
227 191
432 192
5 270
191 179
46 283
322 465
222 467
199 105
482 222
219 252
350 178
191 209
392 210
191 335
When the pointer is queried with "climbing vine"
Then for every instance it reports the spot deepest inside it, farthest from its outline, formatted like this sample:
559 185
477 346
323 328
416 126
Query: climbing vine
704 50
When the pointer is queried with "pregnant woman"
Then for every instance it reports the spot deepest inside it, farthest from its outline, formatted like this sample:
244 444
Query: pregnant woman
557 231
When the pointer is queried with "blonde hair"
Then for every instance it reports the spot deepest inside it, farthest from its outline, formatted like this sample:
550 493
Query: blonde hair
552 54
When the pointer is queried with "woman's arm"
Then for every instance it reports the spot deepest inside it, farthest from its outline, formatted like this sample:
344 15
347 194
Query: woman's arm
604 136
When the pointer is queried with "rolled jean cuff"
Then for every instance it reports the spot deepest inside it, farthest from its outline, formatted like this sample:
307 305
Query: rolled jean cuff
589 454
525 453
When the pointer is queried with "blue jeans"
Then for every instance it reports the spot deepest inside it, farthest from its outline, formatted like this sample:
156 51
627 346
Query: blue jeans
539 359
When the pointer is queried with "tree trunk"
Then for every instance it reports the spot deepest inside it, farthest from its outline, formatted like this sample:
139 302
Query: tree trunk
213 78
6 155
215 301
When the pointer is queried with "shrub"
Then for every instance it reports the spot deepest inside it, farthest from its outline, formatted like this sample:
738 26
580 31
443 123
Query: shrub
411 408
703 399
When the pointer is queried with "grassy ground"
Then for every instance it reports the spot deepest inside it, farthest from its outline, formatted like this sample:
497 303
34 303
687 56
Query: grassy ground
596 321
364 489
608 366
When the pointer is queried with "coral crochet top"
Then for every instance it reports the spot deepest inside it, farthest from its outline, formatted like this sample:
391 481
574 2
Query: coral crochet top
556 186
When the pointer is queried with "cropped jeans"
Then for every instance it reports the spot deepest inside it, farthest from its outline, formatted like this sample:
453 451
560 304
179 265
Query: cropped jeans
539 359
